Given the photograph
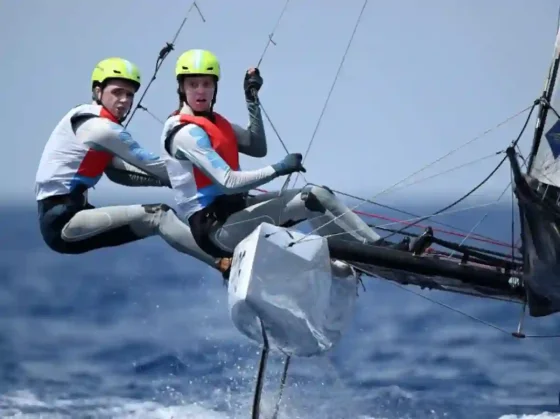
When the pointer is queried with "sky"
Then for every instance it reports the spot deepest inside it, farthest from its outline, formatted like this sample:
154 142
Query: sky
420 79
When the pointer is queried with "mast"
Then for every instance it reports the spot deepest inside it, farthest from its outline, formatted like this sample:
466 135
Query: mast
538 198
544 153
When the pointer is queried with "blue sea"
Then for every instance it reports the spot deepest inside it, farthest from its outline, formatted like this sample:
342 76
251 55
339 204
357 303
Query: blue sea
142 331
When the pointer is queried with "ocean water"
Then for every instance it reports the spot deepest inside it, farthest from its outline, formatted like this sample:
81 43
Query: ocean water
144 332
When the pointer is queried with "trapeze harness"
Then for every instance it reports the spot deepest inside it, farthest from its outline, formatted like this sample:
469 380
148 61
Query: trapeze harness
223 141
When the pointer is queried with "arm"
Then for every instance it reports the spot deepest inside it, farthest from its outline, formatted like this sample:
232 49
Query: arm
102 134
192 143
252 140
125 174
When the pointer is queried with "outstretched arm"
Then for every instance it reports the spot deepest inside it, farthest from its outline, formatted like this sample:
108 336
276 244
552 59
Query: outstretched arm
193 144
102 134
252 140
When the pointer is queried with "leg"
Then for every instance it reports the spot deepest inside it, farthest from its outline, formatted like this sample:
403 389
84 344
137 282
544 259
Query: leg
315 204
80 231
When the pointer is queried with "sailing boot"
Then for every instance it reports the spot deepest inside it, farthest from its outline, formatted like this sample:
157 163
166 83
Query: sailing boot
422 242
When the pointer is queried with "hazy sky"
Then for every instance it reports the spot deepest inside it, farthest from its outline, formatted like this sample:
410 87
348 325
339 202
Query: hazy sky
421 78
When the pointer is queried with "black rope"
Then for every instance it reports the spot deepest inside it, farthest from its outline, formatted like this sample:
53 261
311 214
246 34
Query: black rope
516 334
257 99
338 71
271 35
469 193
164 52
411 214
335 80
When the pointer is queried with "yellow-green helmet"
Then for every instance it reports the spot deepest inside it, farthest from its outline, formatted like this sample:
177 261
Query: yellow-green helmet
197 62
115 68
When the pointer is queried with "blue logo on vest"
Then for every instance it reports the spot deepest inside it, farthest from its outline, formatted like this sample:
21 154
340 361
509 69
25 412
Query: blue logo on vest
553 138
203 141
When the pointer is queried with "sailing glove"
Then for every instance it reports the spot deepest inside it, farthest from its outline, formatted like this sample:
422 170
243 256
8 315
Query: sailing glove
290 164
252 84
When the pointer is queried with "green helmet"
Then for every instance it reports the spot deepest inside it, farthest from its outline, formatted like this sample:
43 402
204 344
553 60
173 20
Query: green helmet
115 68
198 62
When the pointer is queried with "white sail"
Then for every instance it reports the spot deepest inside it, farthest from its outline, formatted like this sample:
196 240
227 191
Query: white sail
546 162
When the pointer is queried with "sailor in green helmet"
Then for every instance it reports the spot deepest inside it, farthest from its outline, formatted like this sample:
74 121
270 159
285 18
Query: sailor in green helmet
90 141
201 149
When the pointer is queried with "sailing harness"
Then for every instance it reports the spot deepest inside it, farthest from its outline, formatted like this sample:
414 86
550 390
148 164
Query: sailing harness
210 218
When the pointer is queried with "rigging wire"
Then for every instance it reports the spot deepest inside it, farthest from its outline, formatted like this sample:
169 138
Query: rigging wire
531 107
169 46
446 208
401 211
479 222
470 316
514 143
271 35
460 166
461 199
306 238
411 214
263 54
338 71
470 233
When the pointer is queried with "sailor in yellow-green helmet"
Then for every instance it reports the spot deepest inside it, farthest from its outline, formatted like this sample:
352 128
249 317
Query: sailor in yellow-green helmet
202 150
120 72
88 142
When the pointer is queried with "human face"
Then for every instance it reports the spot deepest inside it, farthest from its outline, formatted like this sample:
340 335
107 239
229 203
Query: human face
199 91
117 97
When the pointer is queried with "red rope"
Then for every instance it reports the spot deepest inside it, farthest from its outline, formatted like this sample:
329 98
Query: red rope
477 237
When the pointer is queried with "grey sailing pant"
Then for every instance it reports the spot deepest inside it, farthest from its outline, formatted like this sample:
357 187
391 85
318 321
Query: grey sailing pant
73 228
319 206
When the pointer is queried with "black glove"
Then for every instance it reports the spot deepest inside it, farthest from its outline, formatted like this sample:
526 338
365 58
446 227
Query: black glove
252 84
290 164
